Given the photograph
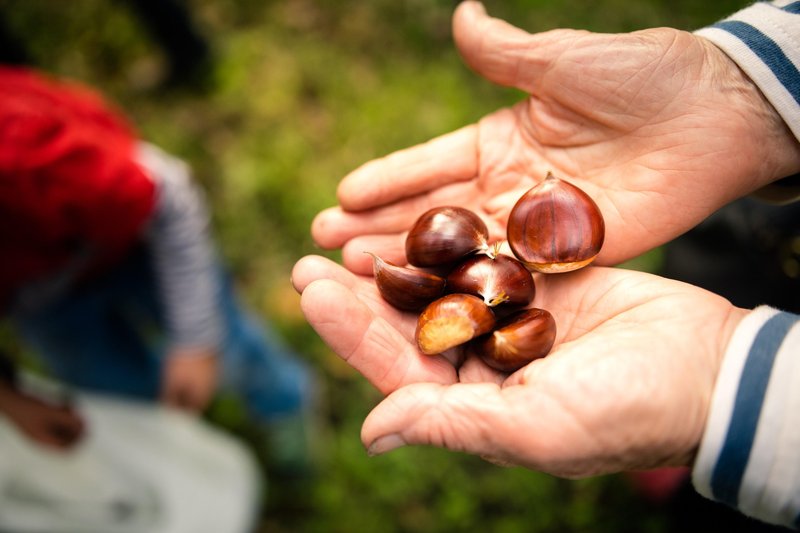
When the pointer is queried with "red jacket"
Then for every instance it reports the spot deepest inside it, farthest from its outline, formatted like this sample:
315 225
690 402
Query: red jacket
68 180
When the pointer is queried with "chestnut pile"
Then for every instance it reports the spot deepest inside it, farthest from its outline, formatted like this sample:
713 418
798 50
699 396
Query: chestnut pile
468 292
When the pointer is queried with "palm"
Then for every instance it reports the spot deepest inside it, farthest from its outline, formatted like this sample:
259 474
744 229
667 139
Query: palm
636 135
640 121
627 342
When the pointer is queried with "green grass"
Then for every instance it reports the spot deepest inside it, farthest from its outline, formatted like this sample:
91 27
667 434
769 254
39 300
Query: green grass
304 92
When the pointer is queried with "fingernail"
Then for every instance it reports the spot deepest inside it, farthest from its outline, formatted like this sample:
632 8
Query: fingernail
385 444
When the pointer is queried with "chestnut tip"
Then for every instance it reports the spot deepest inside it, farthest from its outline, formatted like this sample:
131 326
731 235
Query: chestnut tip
499 280
406 289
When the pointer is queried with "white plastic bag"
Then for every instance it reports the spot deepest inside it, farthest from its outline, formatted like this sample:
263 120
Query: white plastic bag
141 468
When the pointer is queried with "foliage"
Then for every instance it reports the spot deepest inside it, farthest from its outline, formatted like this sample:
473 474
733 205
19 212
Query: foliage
302 92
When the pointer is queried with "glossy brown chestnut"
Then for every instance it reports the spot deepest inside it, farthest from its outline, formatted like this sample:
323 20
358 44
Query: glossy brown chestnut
406 289
452 320
518 339
498 280
443 235
555 227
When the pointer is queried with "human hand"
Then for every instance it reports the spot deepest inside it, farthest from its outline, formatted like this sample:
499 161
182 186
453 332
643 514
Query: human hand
658 126
626 386
190 378
55 426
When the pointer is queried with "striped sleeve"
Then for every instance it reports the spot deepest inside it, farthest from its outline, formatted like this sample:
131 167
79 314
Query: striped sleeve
749 456
764 40
182 252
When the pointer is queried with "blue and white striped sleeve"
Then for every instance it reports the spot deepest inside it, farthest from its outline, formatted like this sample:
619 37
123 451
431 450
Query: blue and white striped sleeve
764 40
749 456
183 255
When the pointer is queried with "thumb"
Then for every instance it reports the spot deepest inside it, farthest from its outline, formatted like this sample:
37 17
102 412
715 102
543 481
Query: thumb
505 54
473 418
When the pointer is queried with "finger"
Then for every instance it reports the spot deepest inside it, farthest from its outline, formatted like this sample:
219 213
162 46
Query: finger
65 435
473 418
473 370
390 248
65 429
446 159
362 289
509 425
333 227
313 267
368 342
503 53
51 437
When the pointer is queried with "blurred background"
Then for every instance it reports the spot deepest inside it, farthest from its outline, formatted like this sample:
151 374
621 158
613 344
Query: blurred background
290 96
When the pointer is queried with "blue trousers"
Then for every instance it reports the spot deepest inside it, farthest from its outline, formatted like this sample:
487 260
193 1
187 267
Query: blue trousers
109 336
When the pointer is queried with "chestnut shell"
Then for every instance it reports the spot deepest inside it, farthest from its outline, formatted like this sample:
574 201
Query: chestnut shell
518 339
445 234
498 280
555 227
404 288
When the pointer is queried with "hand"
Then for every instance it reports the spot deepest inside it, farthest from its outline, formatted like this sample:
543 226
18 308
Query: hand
56 426
627 385
658 126
190 378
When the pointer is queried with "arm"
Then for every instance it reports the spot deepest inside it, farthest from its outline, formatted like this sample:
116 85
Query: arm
762 40
747 458
186 272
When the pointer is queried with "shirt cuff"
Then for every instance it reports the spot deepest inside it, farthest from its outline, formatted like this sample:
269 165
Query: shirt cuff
764 40
748 456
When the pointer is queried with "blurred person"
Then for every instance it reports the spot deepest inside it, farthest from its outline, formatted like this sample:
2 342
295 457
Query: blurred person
109 272
662 128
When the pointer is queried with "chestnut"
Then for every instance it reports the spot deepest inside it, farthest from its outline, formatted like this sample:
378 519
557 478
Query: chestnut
555 227
518 339
406 289
499 279
450 321
443 235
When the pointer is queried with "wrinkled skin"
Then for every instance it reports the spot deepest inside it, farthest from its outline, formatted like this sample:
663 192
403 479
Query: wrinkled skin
658 126
661 129
627 385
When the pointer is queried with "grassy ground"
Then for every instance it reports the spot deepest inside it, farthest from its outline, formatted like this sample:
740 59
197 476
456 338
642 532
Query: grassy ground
301 93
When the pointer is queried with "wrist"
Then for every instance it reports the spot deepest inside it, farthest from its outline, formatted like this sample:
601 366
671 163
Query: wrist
186 351
761 41
776 150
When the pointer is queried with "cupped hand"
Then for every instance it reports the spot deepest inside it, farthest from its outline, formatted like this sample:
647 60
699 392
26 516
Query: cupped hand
658 126
626 386
190 378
